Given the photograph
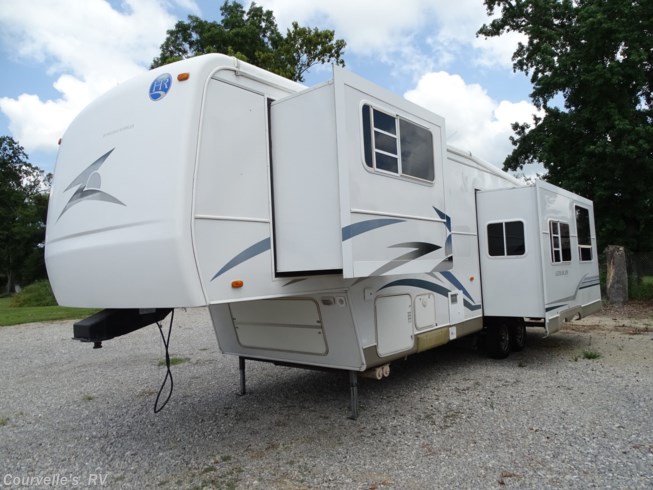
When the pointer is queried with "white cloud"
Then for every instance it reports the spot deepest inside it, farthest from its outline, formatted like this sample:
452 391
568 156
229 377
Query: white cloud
90 45
497 51
474 121
369 26
387 29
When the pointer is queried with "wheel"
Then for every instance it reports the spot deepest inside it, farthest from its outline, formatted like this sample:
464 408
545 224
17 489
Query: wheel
517 337
497 340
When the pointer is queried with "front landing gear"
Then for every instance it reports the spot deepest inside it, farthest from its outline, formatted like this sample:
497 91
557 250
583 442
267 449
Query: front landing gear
353 385
353 393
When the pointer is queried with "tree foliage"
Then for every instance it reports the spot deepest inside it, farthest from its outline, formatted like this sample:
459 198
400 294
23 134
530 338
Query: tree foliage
596 56
252 35
23 209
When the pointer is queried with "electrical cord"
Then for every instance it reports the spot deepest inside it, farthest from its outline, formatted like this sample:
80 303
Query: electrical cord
166 344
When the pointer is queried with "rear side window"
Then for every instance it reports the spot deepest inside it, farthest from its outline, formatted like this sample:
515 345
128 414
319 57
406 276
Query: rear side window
506 239
560 242
584 234
396 145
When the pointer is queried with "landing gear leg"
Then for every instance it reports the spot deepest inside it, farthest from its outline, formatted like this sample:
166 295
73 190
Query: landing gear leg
353 391
241 368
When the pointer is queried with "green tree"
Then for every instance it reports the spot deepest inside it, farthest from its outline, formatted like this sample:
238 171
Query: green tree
252 35
23 208
596 56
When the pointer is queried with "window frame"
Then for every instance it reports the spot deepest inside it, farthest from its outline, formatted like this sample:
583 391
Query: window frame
505 254
369 136
559 235
584 246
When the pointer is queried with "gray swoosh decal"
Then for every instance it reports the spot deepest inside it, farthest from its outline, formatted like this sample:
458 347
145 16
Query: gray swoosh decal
351 231
250 252
93 194
82 178
82 194
421 249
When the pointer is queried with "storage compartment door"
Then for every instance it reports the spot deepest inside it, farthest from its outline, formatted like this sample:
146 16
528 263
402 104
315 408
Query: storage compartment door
394 324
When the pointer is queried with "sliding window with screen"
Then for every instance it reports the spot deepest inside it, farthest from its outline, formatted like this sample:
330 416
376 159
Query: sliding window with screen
395 145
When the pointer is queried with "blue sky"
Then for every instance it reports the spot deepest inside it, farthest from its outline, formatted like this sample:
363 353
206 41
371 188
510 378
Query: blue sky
58 55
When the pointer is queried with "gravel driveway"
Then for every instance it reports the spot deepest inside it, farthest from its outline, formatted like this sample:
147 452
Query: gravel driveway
71 416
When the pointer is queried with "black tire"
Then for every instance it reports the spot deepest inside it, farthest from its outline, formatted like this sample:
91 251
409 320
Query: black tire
497 340
517 337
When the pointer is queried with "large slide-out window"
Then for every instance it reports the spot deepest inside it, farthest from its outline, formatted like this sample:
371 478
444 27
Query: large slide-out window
560 242
395 145
584 235
506 239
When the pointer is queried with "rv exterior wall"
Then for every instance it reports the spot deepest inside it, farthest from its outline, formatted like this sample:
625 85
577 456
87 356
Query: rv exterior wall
118 231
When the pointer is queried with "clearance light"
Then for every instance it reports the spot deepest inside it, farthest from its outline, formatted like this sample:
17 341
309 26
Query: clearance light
237 284
471 278
183 76
59 142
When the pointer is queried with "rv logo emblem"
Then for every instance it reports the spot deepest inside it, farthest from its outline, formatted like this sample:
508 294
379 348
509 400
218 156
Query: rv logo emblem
160 86
88 186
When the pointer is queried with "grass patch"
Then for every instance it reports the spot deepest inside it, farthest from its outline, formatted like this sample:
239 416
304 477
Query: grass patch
36 303
36 294
88 398
174 361
591 354
643 291
4 421
30 314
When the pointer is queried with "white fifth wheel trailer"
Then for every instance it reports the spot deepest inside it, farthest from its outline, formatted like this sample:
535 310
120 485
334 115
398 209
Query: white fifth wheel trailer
326 227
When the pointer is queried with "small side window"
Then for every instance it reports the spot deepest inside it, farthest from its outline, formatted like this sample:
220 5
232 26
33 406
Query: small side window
395 145
584 234
506 239
560 242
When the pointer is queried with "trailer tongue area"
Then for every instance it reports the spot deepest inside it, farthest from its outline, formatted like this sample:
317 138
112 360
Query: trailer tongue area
110 323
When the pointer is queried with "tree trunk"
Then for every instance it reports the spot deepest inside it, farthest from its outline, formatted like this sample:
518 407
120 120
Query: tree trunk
617 280
11 282
634 268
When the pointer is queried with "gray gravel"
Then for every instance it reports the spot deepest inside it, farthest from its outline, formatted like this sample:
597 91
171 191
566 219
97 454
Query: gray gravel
450 418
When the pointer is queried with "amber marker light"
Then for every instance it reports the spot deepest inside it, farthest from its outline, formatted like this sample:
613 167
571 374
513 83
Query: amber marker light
237 284
183 76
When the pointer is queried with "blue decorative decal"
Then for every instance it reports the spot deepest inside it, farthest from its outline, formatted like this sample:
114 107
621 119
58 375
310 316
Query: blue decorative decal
588 282
445 217
251 252
454 280
448 246
430 286
351 231
555 307
160 86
